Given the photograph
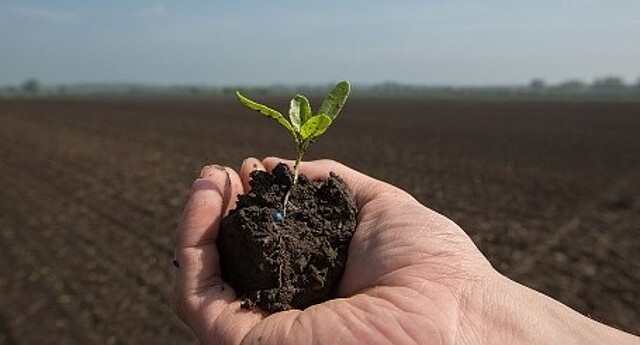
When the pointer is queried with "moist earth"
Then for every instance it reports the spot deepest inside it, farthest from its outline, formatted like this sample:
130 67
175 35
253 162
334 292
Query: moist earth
279 261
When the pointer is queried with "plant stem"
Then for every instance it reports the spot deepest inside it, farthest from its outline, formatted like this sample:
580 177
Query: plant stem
296 172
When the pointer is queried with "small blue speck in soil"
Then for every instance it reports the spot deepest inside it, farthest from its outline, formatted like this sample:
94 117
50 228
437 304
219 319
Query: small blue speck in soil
278 217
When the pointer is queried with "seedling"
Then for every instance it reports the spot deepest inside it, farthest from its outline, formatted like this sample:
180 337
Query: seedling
302 124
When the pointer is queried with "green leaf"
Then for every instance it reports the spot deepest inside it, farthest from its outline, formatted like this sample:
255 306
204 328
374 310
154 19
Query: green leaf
294 114
268 112
305 108
334 102
315 127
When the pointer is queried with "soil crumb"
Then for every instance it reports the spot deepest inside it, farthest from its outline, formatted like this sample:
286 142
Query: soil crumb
292 262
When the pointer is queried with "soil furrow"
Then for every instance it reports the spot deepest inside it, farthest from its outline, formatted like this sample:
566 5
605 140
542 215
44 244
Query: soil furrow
100 235
91 287
565 232
99 198
51 306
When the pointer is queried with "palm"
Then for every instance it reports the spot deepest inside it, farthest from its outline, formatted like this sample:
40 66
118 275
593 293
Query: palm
402 284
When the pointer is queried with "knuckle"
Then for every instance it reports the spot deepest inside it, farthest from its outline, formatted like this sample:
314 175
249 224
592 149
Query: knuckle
328 161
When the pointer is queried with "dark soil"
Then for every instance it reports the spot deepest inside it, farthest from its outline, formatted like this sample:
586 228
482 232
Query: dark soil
292 262
91 192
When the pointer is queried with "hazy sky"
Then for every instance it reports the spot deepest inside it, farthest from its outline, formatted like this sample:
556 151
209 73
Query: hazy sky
459 42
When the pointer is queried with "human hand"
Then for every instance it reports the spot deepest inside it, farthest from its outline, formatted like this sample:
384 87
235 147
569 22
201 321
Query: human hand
412 276
408 272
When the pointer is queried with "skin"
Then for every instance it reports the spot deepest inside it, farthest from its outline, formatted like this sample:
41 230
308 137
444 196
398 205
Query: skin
412 277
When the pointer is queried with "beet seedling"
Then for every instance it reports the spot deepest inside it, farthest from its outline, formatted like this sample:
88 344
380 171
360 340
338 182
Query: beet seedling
302 124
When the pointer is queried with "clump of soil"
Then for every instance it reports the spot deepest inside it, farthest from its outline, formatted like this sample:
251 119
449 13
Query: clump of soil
292 262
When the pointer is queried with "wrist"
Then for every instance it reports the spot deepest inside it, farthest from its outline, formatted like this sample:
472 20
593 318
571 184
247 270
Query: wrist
505 312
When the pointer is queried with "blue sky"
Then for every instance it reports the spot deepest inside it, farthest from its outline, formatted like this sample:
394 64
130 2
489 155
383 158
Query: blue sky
456 42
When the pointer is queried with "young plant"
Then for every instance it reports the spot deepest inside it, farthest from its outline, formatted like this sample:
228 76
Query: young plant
304 126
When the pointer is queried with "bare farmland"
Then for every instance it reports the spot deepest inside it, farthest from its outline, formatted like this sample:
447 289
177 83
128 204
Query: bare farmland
90 192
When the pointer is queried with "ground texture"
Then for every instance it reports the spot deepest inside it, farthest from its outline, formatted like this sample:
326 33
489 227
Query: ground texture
90 192
295 261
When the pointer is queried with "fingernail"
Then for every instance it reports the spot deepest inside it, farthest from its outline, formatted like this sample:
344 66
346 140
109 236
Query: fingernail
210 170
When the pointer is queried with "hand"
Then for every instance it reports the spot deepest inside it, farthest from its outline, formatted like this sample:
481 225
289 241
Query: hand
408 272
412 276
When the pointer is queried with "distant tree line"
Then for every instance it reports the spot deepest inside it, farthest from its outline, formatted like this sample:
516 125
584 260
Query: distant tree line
610 85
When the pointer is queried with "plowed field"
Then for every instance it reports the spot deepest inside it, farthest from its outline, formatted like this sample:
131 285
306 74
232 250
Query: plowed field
91 190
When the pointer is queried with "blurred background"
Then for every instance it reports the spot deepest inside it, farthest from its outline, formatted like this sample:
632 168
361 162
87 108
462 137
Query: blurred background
517 120
428 43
